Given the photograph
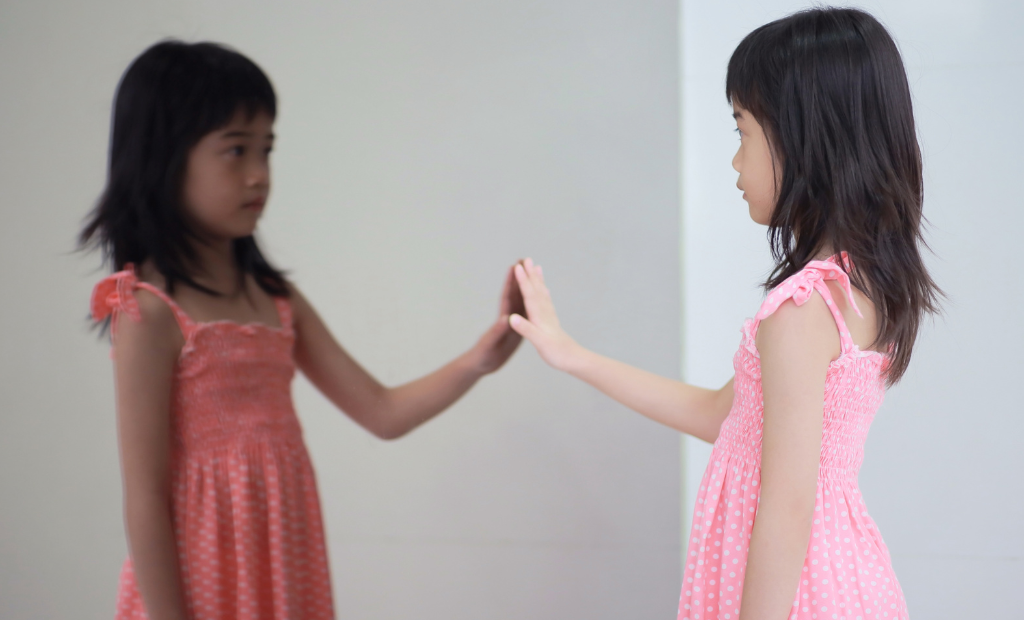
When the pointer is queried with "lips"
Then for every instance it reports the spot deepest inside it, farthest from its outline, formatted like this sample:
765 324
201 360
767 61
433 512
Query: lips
256 204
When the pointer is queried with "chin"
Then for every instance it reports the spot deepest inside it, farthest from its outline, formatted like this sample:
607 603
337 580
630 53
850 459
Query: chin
757 216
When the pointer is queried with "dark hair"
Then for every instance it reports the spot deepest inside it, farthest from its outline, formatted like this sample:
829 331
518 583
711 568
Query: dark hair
829 89
172 95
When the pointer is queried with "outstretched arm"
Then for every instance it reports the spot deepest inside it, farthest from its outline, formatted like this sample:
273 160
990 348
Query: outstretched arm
387 412
687 408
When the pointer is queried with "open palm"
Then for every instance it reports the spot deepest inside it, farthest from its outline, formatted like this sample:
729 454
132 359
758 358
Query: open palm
540 325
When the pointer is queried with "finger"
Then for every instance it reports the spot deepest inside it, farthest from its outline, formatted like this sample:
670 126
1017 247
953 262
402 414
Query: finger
524 328
539 278
531 269
508 291
523 279
533 299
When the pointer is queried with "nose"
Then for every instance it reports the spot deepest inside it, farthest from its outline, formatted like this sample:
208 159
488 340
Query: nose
736 161
259 174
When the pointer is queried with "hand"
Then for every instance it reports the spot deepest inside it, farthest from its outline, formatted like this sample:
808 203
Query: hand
541 325
499 342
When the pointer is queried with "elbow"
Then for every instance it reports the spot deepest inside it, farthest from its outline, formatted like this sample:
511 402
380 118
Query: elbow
797 508
389 432
384 424
794 504
377 416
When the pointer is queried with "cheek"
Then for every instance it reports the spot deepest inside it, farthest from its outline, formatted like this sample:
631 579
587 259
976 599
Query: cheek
207 191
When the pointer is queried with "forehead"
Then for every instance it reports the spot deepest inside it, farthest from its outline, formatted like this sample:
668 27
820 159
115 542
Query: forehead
258 124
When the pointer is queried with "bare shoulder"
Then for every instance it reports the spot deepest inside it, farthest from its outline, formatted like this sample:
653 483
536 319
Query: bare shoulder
300 305
156 329
794 330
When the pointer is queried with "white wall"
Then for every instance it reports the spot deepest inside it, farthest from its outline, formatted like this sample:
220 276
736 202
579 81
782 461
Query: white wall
423 147
942 469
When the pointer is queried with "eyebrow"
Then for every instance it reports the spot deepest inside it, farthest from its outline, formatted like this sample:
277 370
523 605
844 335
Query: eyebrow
244 134
737 115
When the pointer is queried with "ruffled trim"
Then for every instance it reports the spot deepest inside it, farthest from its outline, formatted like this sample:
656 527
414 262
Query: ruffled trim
116 294
800 286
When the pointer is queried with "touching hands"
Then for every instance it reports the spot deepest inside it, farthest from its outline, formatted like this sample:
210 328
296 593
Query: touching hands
540 325
499 342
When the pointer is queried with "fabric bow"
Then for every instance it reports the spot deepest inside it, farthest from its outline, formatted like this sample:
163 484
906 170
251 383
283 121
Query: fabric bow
115 292
819 271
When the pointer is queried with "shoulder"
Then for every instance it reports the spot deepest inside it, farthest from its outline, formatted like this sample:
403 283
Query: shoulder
155 328
799 330
301 309
295 296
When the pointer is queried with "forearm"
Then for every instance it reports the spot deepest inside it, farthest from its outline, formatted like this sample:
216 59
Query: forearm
407 406
778 547
687 408
155 556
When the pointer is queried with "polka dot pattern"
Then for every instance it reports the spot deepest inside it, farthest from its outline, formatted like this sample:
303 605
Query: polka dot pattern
246 513
847 573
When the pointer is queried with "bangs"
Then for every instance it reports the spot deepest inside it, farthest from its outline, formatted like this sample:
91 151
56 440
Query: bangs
750 68
215 84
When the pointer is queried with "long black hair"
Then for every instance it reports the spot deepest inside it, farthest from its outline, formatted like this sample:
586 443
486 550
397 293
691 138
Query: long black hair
829 88
172 95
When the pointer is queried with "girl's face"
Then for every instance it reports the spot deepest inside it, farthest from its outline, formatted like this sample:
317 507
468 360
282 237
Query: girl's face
759 179
227 178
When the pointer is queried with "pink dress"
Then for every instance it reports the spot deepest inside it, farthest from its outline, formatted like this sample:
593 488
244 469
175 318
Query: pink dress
847 574
245 509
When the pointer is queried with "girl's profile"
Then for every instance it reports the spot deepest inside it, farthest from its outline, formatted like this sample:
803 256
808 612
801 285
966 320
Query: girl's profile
828 160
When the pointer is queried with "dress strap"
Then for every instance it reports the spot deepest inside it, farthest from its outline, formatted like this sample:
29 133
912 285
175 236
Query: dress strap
115 295
284 313
800 286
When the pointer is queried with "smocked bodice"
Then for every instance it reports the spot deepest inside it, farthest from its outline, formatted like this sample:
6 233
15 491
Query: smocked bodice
854 389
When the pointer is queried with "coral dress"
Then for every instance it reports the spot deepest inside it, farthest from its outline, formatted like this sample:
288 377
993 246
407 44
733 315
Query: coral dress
847 574
245 509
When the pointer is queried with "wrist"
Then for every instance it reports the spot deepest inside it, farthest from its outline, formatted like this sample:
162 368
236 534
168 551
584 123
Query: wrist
473 363
576 360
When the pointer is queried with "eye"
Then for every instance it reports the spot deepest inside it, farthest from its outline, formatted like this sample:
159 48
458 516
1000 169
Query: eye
739 133
238 150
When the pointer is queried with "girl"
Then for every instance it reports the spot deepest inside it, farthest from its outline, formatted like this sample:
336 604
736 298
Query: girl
829 161
221 507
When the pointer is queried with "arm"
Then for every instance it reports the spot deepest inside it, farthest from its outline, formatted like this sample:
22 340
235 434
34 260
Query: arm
796 345
144 356
386 412
690 409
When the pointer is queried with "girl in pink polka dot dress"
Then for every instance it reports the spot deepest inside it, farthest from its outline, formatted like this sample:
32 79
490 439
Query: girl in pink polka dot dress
221 506
829 161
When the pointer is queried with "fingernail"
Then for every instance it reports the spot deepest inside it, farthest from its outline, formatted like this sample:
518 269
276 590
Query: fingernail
516 319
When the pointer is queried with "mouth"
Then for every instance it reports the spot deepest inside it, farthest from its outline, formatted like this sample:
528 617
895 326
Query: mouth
255 204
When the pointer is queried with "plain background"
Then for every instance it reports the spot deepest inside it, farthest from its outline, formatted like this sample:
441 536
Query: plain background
942 468
423 148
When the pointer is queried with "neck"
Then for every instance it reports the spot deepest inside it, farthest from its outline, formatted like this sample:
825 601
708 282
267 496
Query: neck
217 267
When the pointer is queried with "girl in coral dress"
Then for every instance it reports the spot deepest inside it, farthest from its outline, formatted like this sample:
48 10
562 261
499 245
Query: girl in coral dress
829 161
221 507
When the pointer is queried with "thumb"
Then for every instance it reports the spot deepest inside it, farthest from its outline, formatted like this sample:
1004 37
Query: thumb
523 327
